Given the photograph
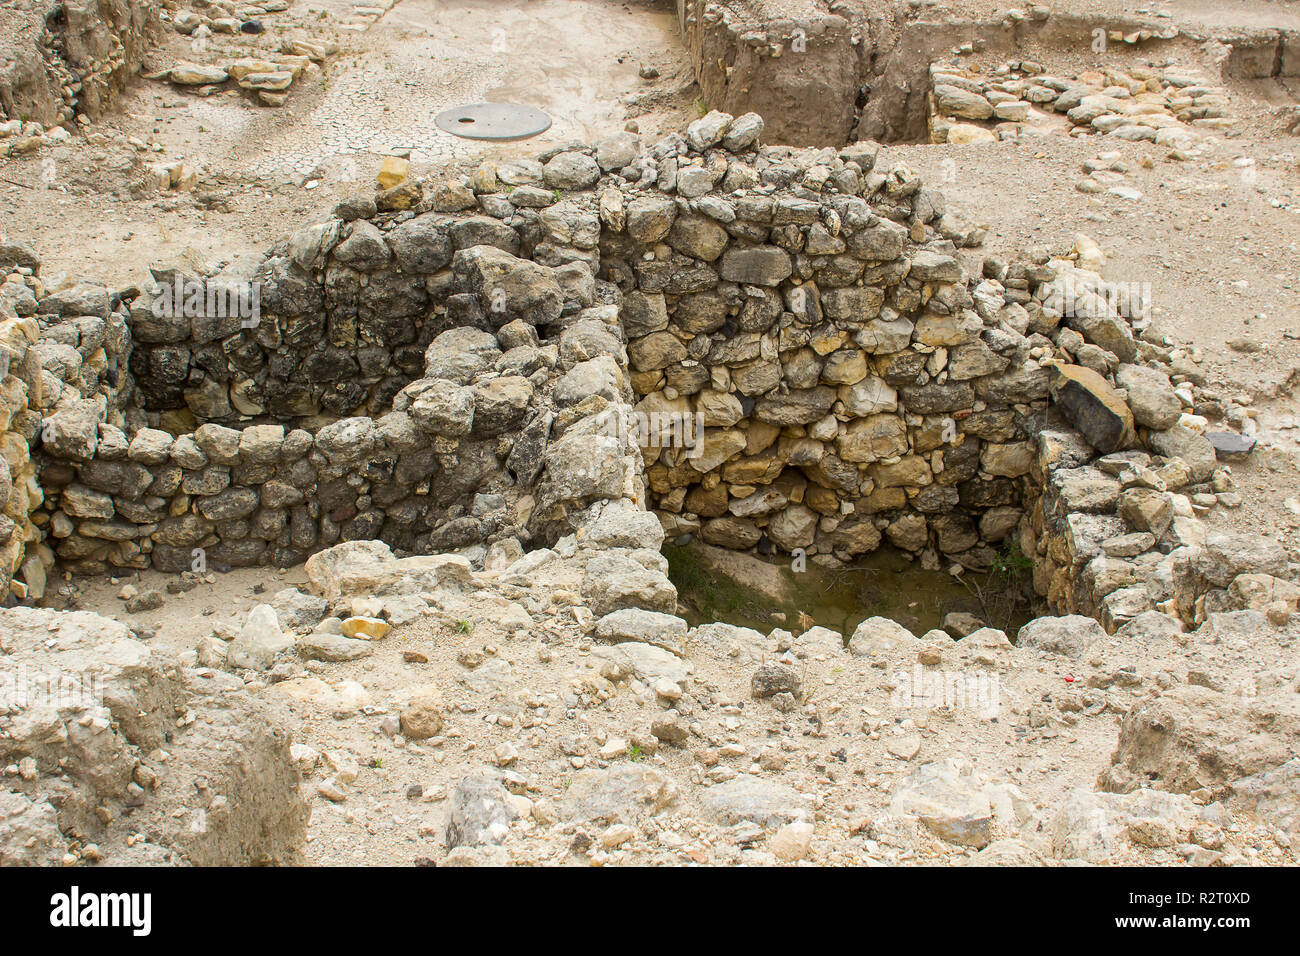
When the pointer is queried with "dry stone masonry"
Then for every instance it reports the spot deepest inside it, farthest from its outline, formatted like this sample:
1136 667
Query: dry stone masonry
498 394
457 364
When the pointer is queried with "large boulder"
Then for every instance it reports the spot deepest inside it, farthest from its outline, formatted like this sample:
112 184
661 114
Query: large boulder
1069 636
1150 396
1181 442
750 799
260 640
1227 554
881 638
949 801
622 793
1192 738
368 568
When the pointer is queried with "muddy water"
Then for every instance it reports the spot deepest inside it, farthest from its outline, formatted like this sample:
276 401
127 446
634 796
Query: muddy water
748 591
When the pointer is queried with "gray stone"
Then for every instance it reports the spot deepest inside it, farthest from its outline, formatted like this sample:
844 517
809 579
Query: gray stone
635 624
759 265
298 611
623 793
1230 446
1069 636
772 679
479 814
1150 396
259 641
881 638
1182 442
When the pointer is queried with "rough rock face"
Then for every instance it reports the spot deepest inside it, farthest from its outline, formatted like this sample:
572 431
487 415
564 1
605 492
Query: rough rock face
88 48
111 740
1197 738
773 59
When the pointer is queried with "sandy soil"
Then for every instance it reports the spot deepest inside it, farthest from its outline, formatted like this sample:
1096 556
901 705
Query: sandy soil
263 169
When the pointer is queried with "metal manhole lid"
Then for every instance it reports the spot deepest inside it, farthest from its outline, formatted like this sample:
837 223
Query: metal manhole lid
498 121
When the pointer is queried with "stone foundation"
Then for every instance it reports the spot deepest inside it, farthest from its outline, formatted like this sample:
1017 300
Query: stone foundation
787 334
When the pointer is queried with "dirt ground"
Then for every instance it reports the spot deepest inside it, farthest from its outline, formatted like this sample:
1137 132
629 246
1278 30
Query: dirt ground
539 703
262 168
1221 252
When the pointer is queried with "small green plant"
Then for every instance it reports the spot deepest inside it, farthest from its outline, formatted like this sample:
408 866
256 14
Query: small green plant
464 627
1004 586
557 194
634 754
376 763
724 598
700 107
1011 562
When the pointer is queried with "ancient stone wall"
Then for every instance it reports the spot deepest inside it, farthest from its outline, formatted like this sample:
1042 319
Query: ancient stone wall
808 311
788 335
347 309
503 438
63 346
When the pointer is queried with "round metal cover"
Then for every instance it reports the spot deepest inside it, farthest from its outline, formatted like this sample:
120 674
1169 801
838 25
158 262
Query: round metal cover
493 121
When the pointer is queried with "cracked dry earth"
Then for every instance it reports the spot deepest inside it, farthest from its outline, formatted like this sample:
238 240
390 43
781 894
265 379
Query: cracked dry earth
397 65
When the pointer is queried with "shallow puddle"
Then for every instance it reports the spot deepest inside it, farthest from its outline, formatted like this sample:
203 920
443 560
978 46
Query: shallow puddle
749 591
